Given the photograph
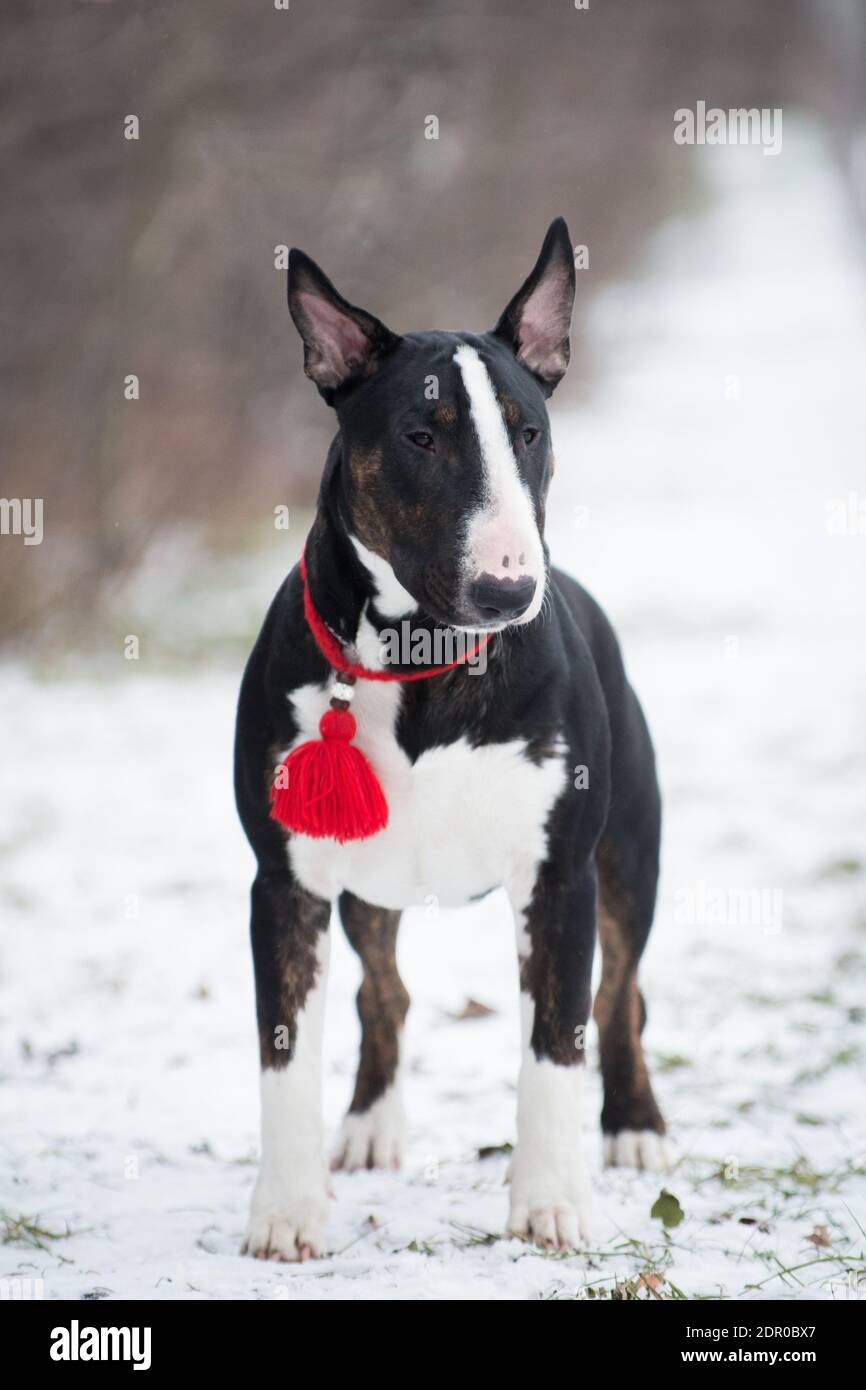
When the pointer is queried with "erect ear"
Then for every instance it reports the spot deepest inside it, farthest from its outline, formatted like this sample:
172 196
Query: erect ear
537 322
341 343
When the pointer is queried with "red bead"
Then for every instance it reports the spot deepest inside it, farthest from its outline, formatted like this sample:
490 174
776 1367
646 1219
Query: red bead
338 724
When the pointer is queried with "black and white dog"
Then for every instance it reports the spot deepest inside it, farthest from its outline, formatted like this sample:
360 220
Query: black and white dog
431 510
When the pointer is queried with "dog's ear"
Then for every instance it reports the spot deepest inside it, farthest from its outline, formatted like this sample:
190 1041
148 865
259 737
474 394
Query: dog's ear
537 322
342 344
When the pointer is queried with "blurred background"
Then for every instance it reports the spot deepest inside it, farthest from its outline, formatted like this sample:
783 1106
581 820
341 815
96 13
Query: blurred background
260 128
710 490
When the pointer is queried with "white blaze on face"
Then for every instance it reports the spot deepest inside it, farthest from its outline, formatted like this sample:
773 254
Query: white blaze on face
502 536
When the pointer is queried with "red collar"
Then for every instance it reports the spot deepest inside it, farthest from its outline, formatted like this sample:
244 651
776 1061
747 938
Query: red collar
332 649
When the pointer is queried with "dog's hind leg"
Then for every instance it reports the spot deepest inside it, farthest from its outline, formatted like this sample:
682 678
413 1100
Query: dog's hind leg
631 1121
373 1131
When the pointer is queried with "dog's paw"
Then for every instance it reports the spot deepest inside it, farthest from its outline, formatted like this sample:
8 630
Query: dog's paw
637 1148
559 1227
372 1138
550 1209
286 1224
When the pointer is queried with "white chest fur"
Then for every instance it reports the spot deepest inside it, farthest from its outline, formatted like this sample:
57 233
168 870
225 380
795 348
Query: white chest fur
462 820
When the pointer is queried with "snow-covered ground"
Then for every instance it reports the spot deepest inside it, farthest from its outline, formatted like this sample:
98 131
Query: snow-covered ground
695 496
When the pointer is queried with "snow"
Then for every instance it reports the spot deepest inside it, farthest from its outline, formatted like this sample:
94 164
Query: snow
692 497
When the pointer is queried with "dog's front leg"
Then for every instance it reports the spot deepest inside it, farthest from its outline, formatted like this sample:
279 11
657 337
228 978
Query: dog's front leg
290 943
555 920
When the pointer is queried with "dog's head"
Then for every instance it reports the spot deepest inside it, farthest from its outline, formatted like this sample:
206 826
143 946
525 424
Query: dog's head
445 455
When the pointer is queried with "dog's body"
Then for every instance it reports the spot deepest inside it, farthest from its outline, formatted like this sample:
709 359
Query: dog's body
536 774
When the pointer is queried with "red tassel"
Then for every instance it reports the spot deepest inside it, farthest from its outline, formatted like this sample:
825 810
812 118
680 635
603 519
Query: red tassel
328 789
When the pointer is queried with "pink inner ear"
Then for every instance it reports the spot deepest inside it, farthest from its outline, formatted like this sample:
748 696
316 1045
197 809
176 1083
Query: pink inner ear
542 330
339 343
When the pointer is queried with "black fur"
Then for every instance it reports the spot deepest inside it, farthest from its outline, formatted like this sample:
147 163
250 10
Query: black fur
557 680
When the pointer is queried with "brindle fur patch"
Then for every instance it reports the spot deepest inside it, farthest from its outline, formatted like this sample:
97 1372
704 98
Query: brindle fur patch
510 409
540 750
554 1023
378 516
287 925
383 1000
371 526
430 711
557 971
619 1011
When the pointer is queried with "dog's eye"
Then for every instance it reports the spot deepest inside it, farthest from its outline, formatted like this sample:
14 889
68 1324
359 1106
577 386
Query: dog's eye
530 435
421 439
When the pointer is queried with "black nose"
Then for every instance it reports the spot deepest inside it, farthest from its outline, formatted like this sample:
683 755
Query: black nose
499 600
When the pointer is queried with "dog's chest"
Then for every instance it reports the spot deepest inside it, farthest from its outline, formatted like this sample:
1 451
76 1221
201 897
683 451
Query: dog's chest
462 820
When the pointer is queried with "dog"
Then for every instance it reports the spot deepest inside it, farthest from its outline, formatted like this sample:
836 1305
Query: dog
536 774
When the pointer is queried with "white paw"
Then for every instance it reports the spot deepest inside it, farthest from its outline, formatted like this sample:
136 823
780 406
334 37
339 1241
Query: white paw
373 1138
286 1223
637 1148
548 1206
